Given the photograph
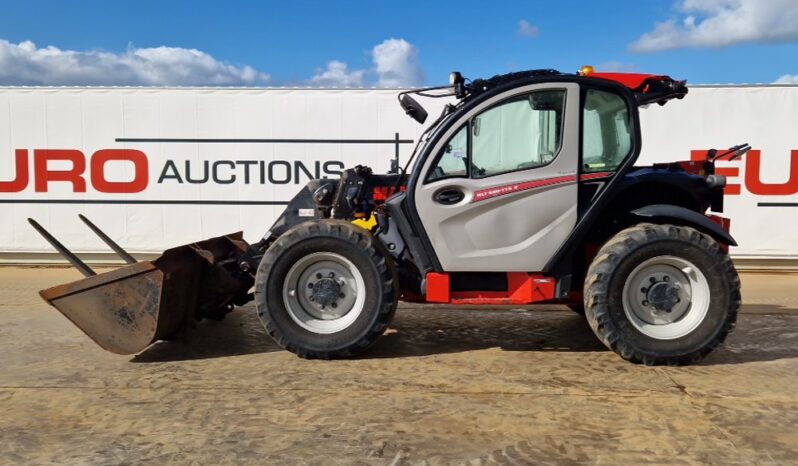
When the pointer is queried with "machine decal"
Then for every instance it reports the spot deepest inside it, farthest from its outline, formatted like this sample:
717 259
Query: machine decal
489 193
594 176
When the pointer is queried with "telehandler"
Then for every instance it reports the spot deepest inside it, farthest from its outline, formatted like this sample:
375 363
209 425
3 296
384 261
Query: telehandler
524 190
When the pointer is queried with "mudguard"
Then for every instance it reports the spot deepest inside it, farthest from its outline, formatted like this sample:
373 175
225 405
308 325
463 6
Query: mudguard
671 213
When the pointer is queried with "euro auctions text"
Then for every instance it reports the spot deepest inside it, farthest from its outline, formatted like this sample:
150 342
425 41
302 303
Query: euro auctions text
41 167
38 167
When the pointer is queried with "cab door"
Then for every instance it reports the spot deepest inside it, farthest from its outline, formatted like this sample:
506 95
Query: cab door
498 191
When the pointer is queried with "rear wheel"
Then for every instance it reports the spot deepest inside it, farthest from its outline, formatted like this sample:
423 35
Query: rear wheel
662 294
326 289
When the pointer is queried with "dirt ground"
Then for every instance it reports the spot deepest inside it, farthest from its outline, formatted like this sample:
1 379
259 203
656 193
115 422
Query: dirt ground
445 386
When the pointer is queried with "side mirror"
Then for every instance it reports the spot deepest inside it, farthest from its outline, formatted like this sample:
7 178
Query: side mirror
413 108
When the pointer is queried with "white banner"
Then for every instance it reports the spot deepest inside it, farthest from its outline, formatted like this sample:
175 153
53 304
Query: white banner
156 168
762 193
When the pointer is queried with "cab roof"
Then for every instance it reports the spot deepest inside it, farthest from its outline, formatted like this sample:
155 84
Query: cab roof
647 88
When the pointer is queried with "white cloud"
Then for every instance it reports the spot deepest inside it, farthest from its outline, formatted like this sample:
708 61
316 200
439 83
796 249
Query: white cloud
396 63
527 30
722 23
337 74
787 79
27 64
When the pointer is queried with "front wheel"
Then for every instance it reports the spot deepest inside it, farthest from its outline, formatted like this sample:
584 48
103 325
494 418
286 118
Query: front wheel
662 294
326 289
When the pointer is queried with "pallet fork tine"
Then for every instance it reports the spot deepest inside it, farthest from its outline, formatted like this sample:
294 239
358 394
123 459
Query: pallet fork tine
66 253
107 240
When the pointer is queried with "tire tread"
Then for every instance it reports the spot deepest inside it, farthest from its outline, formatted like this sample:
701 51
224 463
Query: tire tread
355 235
597 288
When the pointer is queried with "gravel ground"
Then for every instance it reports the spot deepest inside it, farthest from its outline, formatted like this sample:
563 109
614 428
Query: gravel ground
444 386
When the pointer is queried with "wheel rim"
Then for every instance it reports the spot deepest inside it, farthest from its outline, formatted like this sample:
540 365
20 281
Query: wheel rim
324 292
666 297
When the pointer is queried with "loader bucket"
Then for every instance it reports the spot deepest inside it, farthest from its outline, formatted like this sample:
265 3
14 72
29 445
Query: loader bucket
127 309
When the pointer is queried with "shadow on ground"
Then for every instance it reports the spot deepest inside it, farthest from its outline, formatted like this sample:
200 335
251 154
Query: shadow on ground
239 333
763 335
764 332
438 330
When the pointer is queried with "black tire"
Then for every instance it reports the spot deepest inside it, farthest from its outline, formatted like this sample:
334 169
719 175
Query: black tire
355 244
615 261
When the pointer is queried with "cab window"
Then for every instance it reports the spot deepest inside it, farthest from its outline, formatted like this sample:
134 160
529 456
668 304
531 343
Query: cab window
607 137
518 134
453 159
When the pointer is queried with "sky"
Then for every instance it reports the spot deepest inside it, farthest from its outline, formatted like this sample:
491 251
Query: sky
389 43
